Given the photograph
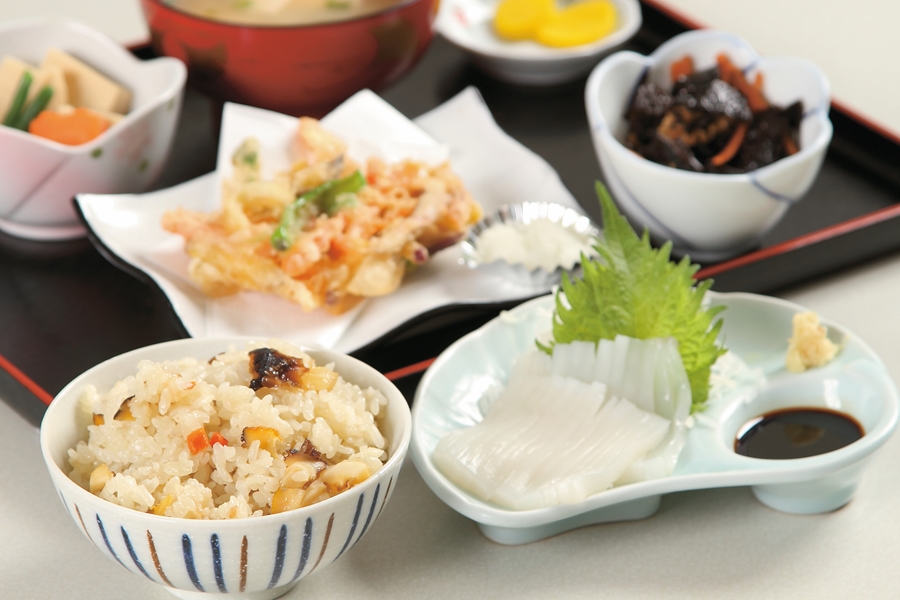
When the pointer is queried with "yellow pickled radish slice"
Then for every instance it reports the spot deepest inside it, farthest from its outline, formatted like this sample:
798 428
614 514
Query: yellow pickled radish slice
519 19
579 24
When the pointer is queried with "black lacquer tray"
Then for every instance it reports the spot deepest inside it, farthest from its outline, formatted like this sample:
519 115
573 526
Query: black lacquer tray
65 308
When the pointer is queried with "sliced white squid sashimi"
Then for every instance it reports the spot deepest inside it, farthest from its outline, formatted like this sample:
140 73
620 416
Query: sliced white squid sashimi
478 458
534 363
461 454
619 434
673 400
649 373
568 418
564 444
574 424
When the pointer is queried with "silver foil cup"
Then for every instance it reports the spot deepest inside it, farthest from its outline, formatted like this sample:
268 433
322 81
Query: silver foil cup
539 279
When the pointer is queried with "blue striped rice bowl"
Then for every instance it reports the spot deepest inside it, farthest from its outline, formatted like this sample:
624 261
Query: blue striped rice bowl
256 557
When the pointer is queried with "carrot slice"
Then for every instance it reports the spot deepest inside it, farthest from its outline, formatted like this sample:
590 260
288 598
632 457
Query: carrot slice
74 128
789 145
733 76
731 148
758 83
681 68
217 438
197 441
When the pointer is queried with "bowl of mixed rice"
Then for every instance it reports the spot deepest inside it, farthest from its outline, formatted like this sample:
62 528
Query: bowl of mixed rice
226 466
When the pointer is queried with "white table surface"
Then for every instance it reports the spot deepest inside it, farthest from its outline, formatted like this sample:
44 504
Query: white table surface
121 20
702 544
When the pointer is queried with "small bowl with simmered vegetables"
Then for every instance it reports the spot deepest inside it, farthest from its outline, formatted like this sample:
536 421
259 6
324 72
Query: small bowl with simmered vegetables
79 113
706 143
538 42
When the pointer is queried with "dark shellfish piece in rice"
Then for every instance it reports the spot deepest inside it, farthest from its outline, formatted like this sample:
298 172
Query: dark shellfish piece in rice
302 466
306 451
124 412
272 369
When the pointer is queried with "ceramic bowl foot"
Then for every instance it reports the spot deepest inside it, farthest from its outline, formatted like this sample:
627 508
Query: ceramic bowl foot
814 496
269 594
624 511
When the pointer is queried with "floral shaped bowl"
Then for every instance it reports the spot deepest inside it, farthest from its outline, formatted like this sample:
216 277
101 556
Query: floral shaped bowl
708 216
254 558
467 24
40 177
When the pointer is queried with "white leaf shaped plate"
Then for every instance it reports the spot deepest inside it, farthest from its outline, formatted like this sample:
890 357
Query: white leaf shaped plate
496 169
756 329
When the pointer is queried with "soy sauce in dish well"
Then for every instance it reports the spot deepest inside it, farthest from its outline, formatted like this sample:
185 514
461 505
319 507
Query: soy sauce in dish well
796 433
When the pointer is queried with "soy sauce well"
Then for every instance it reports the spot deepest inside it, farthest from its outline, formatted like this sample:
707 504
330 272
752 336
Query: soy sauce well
796 433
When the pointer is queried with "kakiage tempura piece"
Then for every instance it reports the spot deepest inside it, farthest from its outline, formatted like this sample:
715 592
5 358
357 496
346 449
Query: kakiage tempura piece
327 232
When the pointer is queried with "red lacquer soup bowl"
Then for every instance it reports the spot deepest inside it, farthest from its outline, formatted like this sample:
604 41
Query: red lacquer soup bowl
294 69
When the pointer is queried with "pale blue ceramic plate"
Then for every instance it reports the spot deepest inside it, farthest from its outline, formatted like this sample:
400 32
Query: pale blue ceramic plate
756 329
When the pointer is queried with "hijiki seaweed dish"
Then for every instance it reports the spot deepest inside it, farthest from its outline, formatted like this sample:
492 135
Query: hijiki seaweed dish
711 121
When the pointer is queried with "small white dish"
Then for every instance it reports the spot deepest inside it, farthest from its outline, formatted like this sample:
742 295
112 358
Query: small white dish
539 279
255 558
40 177
708 216
494 167
468 24
756 329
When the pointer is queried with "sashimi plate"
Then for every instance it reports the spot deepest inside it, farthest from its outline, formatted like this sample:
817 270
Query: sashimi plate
455 389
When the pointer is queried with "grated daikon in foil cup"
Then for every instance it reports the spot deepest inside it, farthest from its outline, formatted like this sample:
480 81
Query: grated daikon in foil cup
531 243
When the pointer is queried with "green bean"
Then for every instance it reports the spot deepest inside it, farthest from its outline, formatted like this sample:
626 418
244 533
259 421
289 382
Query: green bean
292 219
323 198
15 108
38 104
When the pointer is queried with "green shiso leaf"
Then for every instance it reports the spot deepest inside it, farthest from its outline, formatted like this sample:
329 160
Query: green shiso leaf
633 289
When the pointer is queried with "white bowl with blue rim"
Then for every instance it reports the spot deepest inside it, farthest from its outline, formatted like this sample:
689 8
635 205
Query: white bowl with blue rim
256 558
453 394
708 216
